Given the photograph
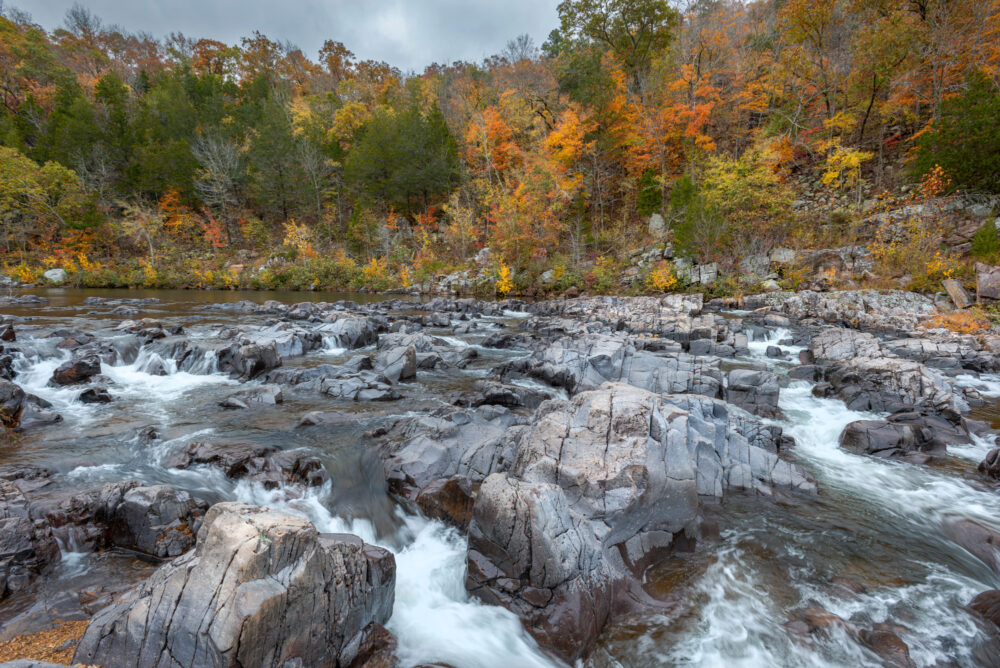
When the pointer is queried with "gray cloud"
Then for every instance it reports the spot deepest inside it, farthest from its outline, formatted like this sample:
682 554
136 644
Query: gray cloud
409 35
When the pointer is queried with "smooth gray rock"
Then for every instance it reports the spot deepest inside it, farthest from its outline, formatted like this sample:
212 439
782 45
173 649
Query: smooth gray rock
602 485
248 360
396 364
258 463
912 435
579 364
27 549
261 588
753 390
450 443
159 521
12 403
268 395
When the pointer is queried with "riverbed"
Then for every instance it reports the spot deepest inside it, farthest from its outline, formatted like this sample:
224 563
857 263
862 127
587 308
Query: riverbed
869 547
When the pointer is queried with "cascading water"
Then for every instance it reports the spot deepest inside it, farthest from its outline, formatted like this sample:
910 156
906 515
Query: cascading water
877 525
871 548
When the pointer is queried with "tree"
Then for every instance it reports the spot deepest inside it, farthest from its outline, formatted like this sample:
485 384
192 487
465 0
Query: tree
39 200
634 30
965 140
406 159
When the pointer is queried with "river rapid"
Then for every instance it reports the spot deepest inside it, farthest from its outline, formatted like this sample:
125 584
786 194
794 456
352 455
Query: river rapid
870 547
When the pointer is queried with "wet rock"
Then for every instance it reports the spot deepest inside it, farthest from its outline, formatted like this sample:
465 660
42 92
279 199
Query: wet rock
868 378
261 588
27 549
258 463
12 403
982 543
76 371
95 395
248 361
7 366
753 390
48 612
914 435
448 500
819 620
886 385
396 364
345 382
376 648
990 466
24 300
158 521
269 395
37 412
488 392
600 487
987 605
450 445
7 333
889 647
349 331
331 418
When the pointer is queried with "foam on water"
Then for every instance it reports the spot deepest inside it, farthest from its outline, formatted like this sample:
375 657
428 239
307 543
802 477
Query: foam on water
134 381
758 346
739 622
434 619
987 384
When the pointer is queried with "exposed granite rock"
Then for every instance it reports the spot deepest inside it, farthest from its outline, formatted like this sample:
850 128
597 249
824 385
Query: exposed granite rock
26 549
887 310
258 463
579 364
76 371
753 390
349 382
460 447
12 403
600 486
917 436
868 378
261 588
248 360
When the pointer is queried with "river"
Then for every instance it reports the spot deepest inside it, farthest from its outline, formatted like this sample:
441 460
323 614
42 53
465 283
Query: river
869 548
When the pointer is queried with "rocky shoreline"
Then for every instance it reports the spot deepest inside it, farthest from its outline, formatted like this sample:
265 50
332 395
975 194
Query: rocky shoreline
603 447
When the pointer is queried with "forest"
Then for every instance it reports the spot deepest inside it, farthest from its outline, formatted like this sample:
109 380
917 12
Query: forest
721 128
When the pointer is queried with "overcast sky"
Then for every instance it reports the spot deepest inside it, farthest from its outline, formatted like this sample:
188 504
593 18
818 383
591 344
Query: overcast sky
409 35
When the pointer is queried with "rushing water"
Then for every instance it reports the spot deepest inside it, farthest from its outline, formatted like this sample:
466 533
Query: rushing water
869 548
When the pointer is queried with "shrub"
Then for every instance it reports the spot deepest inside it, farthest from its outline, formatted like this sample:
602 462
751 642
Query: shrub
661 278
986 242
